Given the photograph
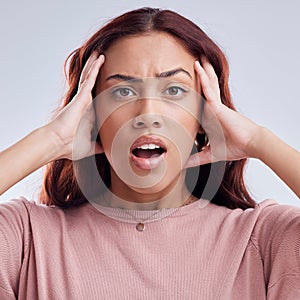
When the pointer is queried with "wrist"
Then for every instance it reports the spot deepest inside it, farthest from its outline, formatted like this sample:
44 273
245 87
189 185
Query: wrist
257 144
29 154
51 143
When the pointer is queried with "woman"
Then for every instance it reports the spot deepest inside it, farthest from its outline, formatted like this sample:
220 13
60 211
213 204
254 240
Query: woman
148 103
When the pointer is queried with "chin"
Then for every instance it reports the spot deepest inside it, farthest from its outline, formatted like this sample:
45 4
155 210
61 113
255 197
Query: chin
163 187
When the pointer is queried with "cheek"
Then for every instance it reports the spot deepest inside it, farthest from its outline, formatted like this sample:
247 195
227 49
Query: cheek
185 117
110 125
190 123
183 135
108 131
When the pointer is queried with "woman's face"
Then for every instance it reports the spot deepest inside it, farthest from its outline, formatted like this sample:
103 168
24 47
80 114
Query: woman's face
147 108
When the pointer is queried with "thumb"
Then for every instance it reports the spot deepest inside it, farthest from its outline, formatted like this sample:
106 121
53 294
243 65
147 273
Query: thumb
97 148
199 158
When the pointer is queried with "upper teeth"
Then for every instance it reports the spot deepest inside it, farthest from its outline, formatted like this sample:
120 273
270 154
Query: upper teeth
148 146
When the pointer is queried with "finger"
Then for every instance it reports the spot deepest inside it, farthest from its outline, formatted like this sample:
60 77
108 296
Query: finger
87 67
96 149
200 158
92 75
209 69
209 87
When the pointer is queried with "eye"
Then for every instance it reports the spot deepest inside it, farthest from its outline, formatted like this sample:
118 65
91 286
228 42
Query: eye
175 91
123 92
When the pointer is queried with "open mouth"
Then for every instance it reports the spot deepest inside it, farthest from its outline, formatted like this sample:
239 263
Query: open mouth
148 151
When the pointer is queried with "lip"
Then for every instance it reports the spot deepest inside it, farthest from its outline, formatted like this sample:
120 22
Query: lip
148 140
148 163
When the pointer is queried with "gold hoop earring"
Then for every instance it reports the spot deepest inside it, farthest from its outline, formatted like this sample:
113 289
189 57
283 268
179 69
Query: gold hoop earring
201 147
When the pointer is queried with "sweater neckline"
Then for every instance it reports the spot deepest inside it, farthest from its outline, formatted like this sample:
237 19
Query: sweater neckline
147 216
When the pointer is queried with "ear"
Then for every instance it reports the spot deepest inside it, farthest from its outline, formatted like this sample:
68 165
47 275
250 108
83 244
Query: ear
98 148
201 130
98 140
98 145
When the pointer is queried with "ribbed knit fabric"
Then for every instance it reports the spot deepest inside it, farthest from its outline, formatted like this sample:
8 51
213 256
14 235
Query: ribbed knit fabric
194 252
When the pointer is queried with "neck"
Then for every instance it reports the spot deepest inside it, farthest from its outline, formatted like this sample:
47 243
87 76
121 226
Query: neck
122 196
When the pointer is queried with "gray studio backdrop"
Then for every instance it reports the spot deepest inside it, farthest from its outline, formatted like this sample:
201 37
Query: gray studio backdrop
260 38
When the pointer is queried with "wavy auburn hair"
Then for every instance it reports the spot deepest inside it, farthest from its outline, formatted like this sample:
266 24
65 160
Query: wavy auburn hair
61 185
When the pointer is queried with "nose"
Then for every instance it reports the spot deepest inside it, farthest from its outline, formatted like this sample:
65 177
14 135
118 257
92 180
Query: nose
146 116
147 121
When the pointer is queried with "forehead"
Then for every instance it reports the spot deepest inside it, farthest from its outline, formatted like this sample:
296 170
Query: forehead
146 55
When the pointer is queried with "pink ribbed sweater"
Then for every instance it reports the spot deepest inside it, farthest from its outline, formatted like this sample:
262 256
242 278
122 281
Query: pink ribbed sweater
196 252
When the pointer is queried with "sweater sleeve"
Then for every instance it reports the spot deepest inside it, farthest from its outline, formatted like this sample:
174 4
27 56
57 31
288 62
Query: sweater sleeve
14 238
278 238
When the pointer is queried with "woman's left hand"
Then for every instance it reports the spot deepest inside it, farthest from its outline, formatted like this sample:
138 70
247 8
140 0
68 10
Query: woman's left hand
231 135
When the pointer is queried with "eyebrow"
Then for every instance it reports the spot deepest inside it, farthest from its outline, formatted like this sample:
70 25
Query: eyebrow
172 73
165 74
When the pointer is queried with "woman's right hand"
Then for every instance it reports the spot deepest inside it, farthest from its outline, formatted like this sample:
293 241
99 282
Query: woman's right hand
72 128
69 135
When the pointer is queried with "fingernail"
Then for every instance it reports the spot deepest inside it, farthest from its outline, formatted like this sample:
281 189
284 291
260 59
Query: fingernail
101 57
203 58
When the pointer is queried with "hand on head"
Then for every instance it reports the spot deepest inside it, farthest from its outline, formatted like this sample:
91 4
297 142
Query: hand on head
231 135
74 124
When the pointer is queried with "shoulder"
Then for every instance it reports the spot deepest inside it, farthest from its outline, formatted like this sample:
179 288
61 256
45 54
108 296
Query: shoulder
15 233
21 212
264 214
277 218
260 223
245 217
22 220
277 224
277 237
21 208
15 212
